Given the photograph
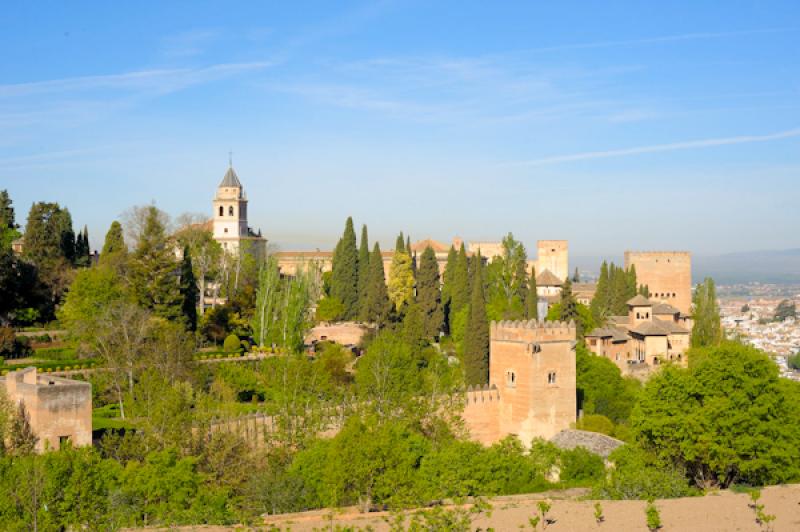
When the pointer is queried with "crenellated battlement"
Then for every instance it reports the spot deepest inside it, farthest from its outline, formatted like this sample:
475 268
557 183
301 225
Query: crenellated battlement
531 330
482 394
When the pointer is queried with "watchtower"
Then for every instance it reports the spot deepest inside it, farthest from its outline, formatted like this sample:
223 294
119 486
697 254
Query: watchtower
532 365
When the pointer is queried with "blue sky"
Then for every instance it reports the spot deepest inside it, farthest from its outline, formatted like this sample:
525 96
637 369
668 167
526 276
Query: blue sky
620 125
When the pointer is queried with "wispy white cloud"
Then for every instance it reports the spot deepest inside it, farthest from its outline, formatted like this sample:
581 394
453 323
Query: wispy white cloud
656 148
158 80
659 39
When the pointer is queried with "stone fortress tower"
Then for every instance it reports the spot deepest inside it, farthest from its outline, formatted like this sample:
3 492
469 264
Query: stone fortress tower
230 227
552 256
667 274
532 387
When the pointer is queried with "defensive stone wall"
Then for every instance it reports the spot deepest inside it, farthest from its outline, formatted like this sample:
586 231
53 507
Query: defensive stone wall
482 414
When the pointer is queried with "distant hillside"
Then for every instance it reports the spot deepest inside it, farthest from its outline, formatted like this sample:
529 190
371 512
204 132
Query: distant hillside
769 266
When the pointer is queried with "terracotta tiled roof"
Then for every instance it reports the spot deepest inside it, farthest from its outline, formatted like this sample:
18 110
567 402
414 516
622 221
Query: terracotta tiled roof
639 301
437 247
548 278
658 328
664 308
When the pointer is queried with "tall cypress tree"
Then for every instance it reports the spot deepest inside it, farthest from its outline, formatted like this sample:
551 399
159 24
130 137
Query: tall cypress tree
569 307
363 268
189 291
377 305
460 290
630 277
114 242
532 301
600 302
401 276
429 298
447 286
344 280
82 248
476 338
576 277
153 268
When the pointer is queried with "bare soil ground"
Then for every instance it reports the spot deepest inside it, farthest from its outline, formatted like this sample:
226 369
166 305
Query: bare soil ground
718 511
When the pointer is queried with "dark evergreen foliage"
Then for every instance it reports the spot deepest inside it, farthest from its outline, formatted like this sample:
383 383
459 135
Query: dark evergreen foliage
190 294
377 306
476 338
344 281
428 294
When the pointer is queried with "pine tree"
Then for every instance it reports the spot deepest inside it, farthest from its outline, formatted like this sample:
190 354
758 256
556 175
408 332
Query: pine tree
344 281
377 306
460 289
189 291
532 301
153 269
476 338
363 268
401 276
428 295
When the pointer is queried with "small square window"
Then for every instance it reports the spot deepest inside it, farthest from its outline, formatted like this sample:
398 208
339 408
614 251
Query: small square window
511 379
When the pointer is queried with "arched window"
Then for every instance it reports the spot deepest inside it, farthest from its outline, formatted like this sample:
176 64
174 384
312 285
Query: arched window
551 377
230 210
221 210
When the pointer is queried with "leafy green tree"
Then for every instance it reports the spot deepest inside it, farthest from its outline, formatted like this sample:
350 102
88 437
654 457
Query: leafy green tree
344 280
205 251
707 328
189 292
476 339
153 269
363 268
728 418
377 306
401 276
329 309
601 388
89 296
508 283
388 374
429 295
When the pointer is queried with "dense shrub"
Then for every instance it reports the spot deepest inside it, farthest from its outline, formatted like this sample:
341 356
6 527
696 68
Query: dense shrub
13 346
231 343
638 474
